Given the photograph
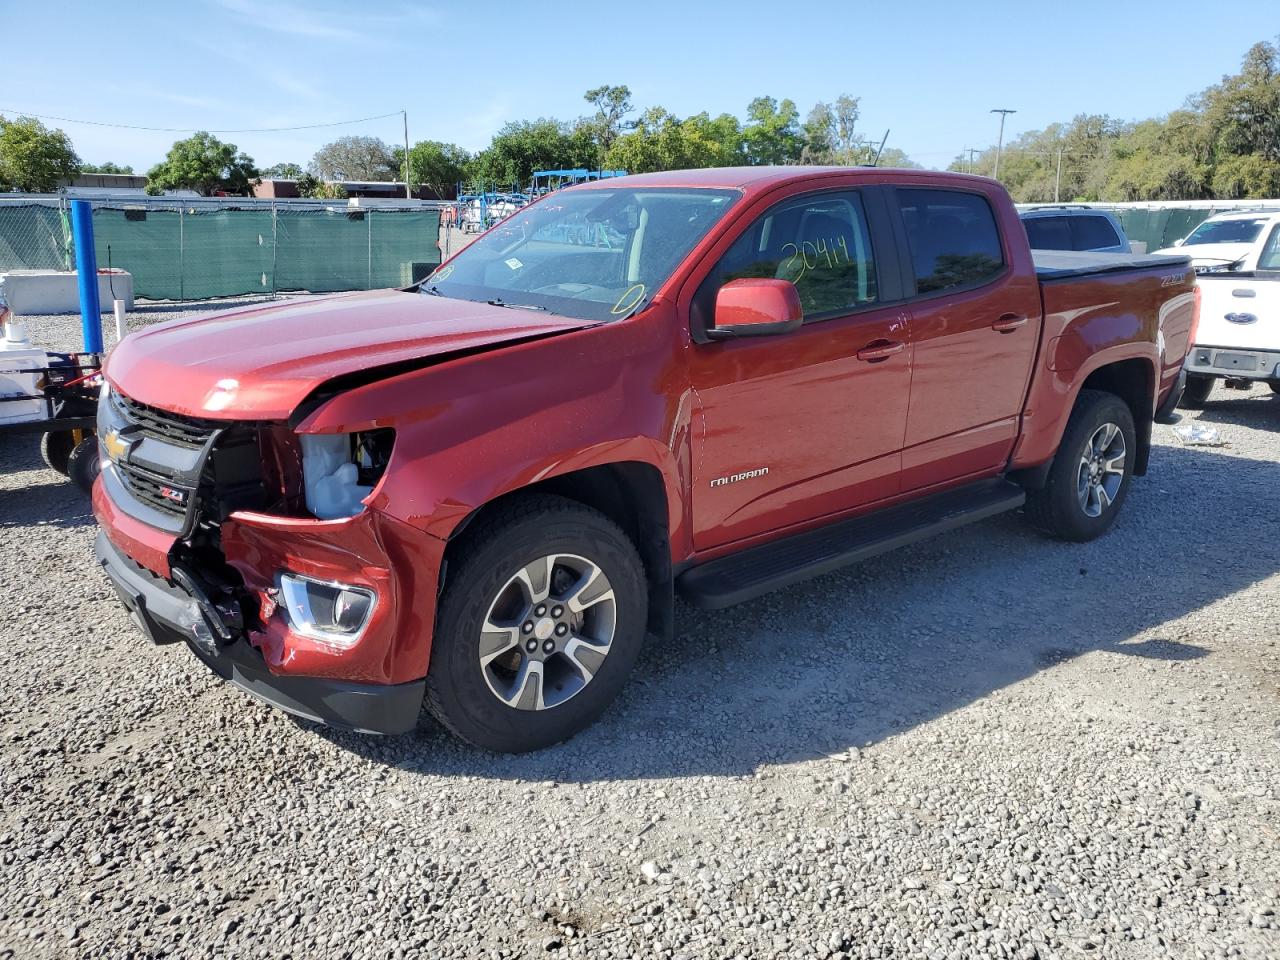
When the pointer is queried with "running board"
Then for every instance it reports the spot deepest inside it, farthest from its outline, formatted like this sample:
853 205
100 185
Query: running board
758 570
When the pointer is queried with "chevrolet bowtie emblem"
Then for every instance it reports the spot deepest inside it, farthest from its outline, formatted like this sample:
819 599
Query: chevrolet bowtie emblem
115 445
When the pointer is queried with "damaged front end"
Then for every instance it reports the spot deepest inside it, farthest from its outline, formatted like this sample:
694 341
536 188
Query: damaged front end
255 545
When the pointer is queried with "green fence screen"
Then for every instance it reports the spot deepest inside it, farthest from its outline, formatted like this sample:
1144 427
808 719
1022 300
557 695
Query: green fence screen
199 250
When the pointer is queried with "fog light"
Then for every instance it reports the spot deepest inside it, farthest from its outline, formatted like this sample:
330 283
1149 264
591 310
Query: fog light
334 613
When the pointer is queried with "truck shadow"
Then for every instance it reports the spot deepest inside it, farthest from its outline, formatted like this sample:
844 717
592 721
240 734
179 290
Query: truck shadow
858 656
1259 410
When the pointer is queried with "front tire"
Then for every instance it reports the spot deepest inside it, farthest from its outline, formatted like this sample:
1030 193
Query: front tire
1091 471
542 618
1274 385
1196 395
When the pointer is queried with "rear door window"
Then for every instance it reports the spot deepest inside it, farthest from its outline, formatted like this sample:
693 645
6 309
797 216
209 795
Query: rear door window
953 239
1093 233
820 243
1048 233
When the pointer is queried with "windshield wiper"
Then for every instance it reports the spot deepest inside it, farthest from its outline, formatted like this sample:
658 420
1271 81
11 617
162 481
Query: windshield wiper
433 291
495 302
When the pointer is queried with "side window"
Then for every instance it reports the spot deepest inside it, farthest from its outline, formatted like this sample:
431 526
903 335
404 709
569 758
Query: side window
1270 256
953 238
1093 233
820 243
1048 233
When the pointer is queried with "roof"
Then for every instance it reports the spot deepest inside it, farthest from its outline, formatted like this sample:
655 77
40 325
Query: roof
1246 215
737 178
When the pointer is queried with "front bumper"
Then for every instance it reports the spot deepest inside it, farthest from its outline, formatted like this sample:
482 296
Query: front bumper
166 613
1235 362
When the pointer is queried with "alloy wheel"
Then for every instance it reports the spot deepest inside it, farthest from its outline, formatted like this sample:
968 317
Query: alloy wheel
547 632
1101 470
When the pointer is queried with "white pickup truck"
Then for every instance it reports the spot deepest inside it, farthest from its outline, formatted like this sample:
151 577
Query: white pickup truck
1236 257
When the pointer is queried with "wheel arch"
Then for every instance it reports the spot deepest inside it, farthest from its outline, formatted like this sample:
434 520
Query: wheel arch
631 493
1134 382
1123 372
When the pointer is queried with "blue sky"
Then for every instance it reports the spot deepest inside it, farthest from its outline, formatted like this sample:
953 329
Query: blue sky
929 71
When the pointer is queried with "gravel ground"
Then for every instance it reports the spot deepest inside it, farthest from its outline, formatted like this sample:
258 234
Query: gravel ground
988 745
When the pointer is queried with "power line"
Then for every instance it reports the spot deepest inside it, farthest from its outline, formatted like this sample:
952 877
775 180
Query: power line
130 126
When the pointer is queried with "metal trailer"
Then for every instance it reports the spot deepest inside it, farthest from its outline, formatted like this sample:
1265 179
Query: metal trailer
545 181
56 394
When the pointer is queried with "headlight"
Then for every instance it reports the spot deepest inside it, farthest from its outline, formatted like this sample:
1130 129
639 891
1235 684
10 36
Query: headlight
339 470
1218 268
334 613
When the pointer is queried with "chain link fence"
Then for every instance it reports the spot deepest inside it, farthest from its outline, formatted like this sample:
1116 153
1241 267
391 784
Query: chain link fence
195 249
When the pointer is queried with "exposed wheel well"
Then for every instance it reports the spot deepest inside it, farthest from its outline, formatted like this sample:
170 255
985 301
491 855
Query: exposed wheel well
633 496
1133 381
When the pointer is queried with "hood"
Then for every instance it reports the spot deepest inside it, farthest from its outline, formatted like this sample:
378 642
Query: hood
1210 254
260 363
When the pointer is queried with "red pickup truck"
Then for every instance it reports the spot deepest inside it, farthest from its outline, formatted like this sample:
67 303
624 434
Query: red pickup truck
484 492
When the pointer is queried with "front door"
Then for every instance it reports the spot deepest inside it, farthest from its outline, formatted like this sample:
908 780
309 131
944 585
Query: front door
797 426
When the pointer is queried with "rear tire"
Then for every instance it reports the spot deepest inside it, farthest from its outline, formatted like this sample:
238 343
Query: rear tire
504 675
55 449
1091 471
1199 386
83 464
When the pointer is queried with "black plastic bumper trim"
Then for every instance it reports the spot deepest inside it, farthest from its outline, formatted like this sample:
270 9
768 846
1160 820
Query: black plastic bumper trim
1167 412
165 614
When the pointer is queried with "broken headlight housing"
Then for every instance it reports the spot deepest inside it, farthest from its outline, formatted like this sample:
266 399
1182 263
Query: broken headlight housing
340 470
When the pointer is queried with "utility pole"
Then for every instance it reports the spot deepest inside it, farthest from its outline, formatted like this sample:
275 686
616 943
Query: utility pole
971 151
1057 180
405 114
1004 112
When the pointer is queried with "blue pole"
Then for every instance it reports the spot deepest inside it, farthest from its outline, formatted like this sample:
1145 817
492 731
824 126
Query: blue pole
87 269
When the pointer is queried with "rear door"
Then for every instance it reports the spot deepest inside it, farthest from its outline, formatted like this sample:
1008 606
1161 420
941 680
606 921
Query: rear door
975 325
793 427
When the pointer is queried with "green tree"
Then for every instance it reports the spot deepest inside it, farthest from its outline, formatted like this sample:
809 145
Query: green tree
313 188
662 141
283 171
896 158
34 158
438 166
107 167
354 158
612 104
205 164
773 133
831 134
523 146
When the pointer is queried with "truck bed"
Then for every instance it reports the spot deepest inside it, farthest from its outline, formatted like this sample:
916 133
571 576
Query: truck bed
1064 264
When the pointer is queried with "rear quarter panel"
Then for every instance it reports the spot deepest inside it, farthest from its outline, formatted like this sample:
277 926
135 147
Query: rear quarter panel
1096 320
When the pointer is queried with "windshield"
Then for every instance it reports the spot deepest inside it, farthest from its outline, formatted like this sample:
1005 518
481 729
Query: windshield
1227 231
596 254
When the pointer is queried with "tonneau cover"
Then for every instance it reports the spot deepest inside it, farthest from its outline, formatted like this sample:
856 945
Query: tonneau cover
1060 264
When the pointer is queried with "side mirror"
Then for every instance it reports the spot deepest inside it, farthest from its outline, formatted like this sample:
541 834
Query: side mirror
756 308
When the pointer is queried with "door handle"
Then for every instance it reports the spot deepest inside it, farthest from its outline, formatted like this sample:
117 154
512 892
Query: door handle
1009 323
878 350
